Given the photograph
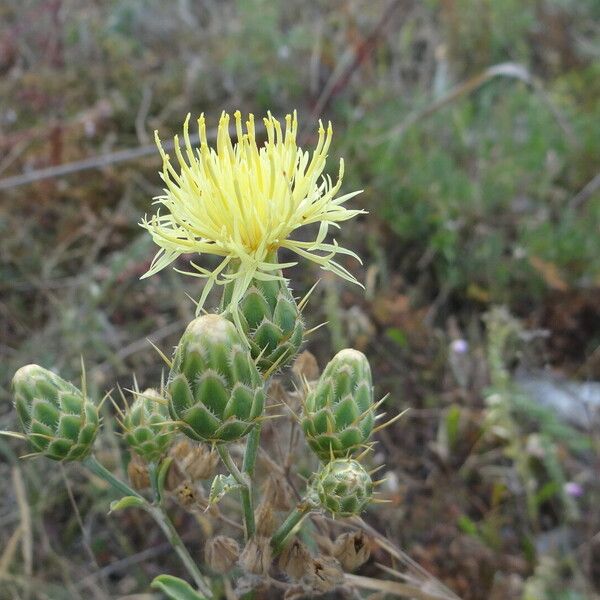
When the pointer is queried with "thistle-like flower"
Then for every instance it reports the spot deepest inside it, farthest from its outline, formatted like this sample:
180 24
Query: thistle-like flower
343 487
145 426
337 416
58 420
215 390
243 201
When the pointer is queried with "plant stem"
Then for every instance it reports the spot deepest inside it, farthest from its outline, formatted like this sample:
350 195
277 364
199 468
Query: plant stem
244 480
161 518
95 467
251 450
280 537
165 523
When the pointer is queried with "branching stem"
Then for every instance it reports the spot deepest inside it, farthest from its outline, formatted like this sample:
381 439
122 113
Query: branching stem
159 515
246 492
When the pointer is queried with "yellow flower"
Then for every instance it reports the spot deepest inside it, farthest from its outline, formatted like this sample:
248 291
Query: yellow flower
243 201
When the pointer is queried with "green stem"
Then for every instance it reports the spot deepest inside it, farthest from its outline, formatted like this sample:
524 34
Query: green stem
159 515
165 523
244 481
251 450
95 467
281 536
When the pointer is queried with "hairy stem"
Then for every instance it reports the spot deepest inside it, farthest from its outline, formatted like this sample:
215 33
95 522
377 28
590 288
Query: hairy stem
251 450
165 523
244 480
161 518
280 537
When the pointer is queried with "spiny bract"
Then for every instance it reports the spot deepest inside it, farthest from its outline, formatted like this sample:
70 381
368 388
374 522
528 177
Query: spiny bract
215 390
145 426
343 487
271 321
59 421
338 413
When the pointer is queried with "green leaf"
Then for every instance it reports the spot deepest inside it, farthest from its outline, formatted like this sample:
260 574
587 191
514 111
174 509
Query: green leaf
127 502
175 588
221 485
452 425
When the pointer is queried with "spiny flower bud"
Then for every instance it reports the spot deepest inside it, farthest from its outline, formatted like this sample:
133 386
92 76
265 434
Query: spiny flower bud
221 553
216 392
145 426
325 574
271 321
343 487
295 560
195 461
137 471
338 414
257 555
57 418
352 549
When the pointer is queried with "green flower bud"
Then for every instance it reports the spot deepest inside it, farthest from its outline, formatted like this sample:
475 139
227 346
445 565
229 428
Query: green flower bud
343 487
145 426
215 390
271 321
338 413
57 418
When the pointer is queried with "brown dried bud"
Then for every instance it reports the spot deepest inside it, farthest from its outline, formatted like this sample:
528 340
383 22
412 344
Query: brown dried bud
137 471
352 549
265 519
196 461
276 393
187 495
325 574
257 555
175 476
277 492
305 367
221 553
295 560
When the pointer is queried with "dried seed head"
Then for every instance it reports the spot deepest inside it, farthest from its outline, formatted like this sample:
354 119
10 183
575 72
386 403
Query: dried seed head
186 494
137 471
221 553
277 492
325 574
257 555
352 549
195 461
305 367
265 519
295 560
175 476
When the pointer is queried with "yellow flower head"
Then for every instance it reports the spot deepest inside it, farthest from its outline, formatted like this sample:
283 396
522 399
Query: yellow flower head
243 201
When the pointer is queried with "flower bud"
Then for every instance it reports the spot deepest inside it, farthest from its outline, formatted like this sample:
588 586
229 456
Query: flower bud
257 555
146 429
343 487
338 413
352 549
271 322
216 392
57 418
295 560
221 553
